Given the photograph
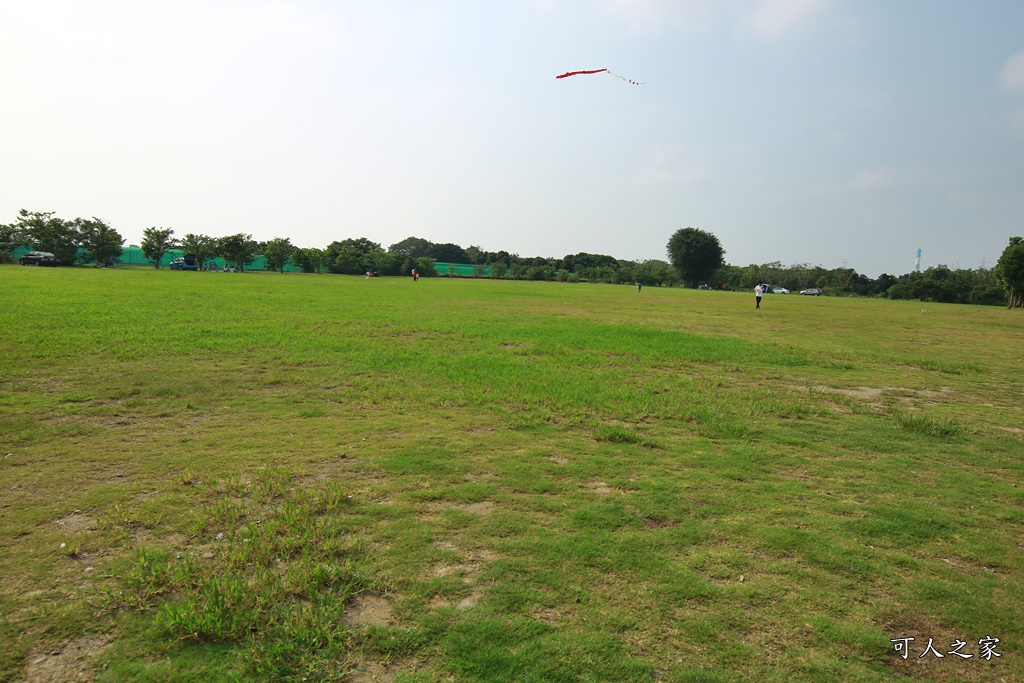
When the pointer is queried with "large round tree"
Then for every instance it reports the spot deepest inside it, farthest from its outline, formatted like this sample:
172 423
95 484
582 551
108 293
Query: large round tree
1010 272
696 254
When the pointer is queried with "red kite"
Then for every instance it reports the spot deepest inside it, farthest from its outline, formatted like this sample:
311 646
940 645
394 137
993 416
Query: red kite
599 71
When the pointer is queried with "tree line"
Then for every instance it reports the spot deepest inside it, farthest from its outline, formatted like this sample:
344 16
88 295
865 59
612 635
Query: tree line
699 258
696 259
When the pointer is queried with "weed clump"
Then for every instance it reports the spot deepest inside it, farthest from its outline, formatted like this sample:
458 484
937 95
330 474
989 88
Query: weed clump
927 426
622 434
275 588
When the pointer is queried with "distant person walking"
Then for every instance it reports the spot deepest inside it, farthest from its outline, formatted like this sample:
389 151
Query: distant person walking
639 286
415 275
758 293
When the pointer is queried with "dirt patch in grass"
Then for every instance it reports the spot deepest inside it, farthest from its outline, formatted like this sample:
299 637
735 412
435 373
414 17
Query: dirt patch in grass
75 660
554 616
859 392
472 599
659 523
472 564
468 569
381 672
328 469
1014 430
478 476
446 569
76 523
968 567
603 488
868 393
482 508
368 608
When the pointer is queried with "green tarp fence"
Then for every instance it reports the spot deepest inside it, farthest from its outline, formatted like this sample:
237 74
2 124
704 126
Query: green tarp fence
460 269
132 256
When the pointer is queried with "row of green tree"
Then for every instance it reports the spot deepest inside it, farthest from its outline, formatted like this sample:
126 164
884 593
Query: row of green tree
72 241
95 241
939 284
696 256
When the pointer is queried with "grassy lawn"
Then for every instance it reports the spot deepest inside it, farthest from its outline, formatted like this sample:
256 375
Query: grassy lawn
296 477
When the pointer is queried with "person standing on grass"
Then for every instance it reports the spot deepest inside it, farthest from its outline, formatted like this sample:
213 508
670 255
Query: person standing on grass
758 293
639 286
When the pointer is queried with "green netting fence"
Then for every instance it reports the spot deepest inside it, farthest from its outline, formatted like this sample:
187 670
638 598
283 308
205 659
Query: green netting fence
460 269
132 256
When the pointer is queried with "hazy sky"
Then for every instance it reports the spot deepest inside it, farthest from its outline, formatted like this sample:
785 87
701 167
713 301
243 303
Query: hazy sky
824 131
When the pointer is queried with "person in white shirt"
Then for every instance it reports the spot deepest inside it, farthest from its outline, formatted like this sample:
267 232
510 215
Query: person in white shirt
758 292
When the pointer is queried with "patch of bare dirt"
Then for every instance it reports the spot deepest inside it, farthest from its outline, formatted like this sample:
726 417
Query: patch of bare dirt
470 566
553 616
478 476
967 566
721 579
472 599
1015 430
446 569
659 522
76 523
483 508
472 563
559 460
857 392
868 393
75 660
381 672
368 608
328 469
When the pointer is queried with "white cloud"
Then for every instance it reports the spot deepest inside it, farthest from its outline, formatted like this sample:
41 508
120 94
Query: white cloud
769 20
1012 74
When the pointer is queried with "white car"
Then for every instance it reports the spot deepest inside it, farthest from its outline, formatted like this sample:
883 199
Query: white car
781 290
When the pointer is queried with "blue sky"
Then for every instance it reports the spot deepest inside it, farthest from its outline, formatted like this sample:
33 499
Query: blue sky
830 132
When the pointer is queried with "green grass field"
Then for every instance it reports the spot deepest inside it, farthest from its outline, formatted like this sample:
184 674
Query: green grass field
297 477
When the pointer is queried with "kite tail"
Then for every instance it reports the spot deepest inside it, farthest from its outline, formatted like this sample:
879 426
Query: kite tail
623 78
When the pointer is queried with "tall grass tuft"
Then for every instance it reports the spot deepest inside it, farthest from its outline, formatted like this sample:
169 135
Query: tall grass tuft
928 426
622 434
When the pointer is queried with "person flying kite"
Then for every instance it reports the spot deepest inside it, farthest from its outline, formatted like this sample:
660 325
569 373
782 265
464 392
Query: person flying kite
599 71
